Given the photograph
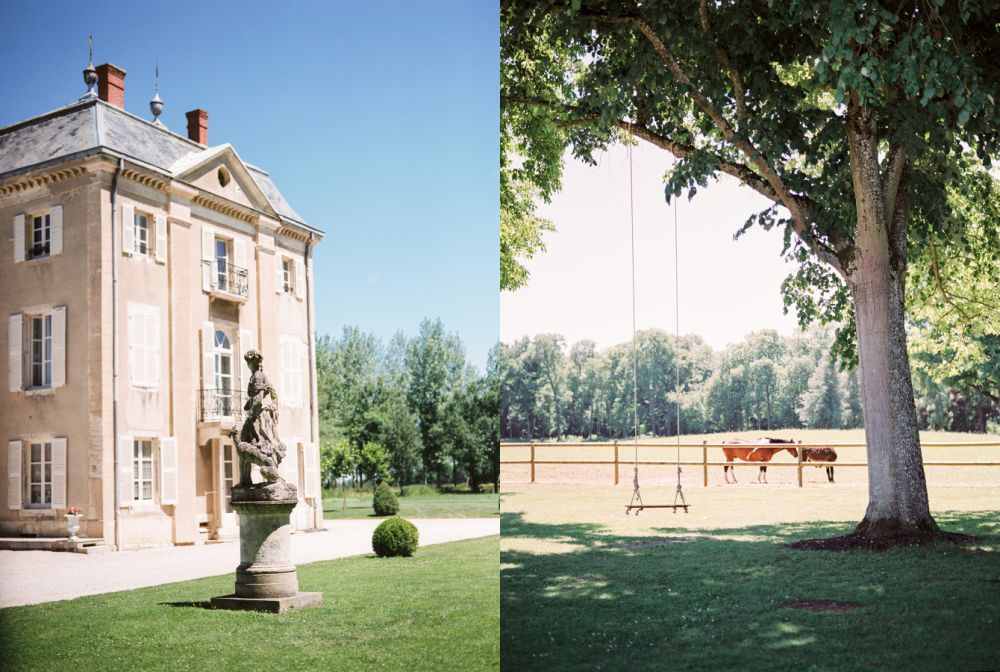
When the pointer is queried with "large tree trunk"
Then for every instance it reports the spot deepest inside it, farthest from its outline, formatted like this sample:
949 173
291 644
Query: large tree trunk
897 488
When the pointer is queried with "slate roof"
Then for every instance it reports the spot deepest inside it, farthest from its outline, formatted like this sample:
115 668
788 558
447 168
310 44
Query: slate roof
93 126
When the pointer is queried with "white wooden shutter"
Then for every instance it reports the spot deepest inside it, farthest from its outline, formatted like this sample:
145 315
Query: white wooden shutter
168 470
59 346
303 362
153 347
18 237
59 473
128 228
56 230
240 253
207 260
248 342
208 356
15 353
279 274
310 459
161 239
135 360
300 280
125 456
14 455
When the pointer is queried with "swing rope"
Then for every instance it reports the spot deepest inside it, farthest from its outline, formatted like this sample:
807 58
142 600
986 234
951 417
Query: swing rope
636 501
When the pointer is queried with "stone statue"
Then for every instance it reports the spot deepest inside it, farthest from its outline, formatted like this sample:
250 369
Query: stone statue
258 441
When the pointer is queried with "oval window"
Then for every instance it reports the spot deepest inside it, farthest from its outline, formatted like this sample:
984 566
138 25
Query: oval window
223 176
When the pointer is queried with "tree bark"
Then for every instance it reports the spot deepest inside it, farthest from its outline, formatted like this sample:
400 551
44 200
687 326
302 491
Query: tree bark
897 487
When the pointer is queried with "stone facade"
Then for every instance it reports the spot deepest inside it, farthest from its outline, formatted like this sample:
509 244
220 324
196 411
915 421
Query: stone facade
187 257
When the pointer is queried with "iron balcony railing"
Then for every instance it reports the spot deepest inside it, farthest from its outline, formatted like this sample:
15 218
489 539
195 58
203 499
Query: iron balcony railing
221 405
225 277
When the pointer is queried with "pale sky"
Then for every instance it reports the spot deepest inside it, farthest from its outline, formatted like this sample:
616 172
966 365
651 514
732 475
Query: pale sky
580 287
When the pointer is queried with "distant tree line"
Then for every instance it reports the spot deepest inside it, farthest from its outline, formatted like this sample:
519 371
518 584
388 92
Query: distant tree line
408 411
549 390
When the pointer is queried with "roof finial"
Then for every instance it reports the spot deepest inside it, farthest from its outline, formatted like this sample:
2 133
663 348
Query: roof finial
156 105
90 73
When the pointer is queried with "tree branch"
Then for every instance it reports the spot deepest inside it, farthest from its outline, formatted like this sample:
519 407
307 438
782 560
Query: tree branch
894 166
739 92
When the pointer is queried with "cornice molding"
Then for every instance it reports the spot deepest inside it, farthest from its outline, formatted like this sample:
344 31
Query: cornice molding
41 179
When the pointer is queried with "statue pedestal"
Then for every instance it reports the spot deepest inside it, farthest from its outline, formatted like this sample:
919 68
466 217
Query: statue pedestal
266 579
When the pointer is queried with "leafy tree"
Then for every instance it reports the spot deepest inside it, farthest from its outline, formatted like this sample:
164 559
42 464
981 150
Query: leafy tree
520 230
373 463
821 406
435 363
337 460
852 117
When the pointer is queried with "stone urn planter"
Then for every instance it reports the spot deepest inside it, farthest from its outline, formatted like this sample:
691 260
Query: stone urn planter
73 525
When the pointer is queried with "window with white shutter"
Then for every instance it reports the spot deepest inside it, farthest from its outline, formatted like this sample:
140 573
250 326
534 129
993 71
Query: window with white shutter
18 226
300 280
291 371
128 228
125 470
59 473
14 457
144 345
15 353
208 271
168 470
161 239
56 242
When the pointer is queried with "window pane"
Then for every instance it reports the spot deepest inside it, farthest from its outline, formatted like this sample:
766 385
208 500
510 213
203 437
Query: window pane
48 494
36 494
48 472
36 328
228 469
147 470
147 490
36 452
48 326
36 473
48 452
135 490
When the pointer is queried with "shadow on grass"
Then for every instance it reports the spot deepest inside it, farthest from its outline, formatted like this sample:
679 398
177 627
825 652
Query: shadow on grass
578 595
201 604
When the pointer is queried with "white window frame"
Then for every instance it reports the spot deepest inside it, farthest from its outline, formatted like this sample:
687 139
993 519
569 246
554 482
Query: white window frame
45 217
287 275
45 476
41 346
138 480
141 233
222 274
221 353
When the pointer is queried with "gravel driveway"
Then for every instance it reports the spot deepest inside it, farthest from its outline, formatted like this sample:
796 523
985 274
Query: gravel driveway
33 577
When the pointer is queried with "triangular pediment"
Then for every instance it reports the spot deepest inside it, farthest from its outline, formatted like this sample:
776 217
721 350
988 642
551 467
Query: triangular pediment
219 170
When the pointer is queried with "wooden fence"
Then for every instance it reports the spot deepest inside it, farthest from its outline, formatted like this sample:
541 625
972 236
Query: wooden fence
705 464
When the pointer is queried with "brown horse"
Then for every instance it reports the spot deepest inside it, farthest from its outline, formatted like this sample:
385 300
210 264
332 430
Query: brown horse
821 455
754 451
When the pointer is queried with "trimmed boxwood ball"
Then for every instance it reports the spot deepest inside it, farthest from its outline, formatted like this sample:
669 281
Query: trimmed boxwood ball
395 536
384 502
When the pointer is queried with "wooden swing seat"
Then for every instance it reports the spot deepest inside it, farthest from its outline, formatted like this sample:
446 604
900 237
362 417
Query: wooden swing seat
640 507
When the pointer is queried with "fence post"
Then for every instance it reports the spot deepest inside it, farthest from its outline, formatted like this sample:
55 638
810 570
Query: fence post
533 461
704 462
616 462
799 468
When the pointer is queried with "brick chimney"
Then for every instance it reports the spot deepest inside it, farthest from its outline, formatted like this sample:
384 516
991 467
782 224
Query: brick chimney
111 85
198 126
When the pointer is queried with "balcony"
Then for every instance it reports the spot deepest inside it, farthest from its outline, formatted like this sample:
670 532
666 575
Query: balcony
226 281
221 406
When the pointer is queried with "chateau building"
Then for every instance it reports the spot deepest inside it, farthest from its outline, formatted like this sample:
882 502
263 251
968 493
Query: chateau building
139 266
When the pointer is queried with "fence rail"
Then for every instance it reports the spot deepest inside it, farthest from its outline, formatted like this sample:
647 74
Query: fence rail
704 463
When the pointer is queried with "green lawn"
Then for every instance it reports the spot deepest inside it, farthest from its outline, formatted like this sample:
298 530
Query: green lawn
437 610
458 505
585 587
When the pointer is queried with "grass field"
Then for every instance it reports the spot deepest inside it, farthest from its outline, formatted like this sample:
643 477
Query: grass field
584 586
692 475
425 504
437 610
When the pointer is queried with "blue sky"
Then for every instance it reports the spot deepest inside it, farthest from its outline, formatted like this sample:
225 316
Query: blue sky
379 122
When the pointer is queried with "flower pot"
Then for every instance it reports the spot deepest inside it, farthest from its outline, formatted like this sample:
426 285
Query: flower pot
72 525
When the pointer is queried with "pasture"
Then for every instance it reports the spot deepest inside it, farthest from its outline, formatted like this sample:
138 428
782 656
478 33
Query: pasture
582 585
692 474
424 503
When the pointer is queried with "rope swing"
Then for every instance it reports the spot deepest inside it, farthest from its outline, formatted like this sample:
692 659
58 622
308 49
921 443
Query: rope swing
636 501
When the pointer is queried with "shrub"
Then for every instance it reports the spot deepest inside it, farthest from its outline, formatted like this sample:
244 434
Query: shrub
384 502
395 536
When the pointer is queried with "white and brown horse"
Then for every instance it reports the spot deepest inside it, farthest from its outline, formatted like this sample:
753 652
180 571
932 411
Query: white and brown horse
761 450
